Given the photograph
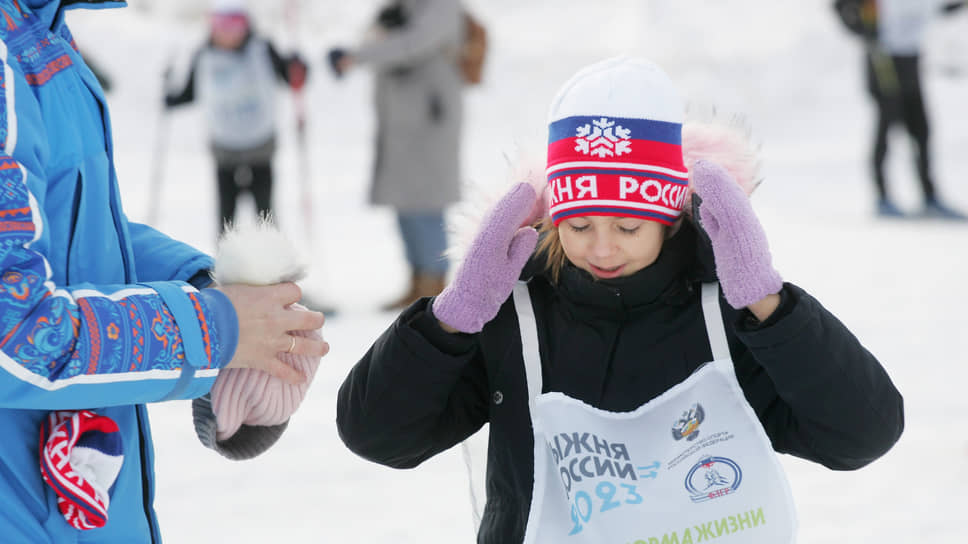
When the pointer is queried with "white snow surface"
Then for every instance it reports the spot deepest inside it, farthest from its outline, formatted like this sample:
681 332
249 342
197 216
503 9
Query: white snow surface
787 66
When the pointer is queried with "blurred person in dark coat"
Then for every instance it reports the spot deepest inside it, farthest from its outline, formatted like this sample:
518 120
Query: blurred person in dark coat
893 32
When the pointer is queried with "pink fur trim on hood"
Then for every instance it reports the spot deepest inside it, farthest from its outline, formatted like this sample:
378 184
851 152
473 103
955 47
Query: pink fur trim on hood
725 143
467 216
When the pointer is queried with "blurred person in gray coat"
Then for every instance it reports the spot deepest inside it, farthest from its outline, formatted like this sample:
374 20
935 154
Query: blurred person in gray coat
413 49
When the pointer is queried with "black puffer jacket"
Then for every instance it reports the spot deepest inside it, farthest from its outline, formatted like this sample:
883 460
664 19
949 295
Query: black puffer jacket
615 345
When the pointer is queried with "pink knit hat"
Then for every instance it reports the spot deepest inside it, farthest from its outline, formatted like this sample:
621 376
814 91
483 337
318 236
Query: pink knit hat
615 144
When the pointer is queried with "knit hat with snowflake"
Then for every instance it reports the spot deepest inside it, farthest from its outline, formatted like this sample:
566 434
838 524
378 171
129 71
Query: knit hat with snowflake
615 144
81 454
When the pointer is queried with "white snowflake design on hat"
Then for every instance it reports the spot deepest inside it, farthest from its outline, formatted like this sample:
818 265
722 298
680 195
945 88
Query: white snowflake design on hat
603 138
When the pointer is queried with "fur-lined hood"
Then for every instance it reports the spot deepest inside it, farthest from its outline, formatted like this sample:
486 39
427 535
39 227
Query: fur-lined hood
725 142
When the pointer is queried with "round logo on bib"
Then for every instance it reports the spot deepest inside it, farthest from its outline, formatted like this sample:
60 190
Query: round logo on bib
713 477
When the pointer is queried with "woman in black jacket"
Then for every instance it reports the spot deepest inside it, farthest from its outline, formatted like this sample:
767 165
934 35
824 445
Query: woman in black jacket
605 422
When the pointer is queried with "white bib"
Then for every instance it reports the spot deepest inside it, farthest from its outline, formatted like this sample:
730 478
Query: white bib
691 465
238 89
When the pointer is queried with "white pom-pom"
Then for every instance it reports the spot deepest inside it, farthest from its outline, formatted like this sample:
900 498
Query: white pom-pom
257 254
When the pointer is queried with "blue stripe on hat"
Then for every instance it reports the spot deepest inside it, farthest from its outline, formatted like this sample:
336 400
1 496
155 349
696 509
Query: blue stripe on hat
106 443
642 129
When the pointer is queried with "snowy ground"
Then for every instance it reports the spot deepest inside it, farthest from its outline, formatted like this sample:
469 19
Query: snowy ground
786 65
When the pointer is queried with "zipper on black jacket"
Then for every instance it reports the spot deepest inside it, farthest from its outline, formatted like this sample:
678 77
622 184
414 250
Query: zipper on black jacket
609 362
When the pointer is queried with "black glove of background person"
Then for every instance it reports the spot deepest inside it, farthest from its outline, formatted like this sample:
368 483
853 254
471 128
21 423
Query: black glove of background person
169 99
951 7
334 56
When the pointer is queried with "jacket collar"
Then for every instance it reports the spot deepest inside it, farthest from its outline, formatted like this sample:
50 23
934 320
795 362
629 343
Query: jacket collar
67 4
51 12
36 5
588 297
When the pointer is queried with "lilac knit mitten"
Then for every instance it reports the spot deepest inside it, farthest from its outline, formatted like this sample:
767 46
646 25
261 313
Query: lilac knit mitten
493 263
743 261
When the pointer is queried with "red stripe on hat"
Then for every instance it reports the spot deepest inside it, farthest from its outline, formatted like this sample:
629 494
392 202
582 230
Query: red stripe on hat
638 152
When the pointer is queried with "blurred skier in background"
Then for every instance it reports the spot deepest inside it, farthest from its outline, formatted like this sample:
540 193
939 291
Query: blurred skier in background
235 75
893 33
414 48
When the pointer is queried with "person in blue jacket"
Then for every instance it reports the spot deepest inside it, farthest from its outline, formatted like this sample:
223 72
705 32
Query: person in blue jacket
99 315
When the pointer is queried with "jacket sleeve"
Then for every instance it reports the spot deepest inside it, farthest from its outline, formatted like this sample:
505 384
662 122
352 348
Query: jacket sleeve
438 22
818 392
159 257
85 345
280 65
416 392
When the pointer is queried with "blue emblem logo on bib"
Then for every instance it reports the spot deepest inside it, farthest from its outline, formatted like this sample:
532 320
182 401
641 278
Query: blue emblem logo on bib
712 478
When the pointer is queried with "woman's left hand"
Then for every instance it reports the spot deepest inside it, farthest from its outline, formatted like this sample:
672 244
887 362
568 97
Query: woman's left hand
253 397
744 265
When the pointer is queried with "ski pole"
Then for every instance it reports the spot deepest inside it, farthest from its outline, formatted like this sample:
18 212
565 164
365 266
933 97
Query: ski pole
299 109
159 156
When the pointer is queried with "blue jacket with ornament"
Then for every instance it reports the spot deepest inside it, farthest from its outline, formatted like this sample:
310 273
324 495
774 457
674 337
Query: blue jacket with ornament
96 312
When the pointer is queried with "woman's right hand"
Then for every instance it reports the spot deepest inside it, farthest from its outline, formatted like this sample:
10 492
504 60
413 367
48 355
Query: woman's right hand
493 263
265 318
